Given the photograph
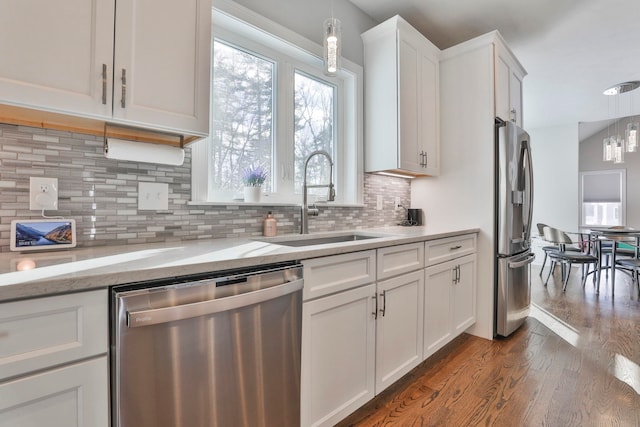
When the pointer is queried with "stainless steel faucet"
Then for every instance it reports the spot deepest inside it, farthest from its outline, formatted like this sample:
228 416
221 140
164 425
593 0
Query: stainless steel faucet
313 211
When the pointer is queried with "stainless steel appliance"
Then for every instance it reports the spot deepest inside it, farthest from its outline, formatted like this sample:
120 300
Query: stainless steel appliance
514 208
208 351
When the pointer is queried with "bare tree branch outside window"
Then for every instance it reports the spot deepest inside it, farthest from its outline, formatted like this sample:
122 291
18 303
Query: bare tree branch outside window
313 130
242 126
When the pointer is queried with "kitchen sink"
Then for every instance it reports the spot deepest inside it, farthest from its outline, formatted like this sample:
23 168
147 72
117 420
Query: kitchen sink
310 240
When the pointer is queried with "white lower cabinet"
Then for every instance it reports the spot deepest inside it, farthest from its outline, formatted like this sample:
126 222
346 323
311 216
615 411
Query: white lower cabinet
449 301
53 361
74 395
338 348
399 328
358 341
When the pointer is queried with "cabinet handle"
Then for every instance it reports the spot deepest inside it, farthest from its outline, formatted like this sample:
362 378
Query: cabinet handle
513 114
104 84
426 159
456 274
455 248
375 312
384 302
423 159
123 101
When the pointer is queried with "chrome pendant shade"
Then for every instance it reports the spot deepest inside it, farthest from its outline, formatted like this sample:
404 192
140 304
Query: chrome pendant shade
332 40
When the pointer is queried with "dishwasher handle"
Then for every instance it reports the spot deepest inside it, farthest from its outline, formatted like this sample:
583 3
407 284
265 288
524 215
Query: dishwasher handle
155 316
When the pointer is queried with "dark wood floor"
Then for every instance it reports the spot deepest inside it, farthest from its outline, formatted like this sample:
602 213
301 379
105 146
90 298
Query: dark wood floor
575 362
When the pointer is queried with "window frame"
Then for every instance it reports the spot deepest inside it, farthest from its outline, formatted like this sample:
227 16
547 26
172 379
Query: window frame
233 24
622 179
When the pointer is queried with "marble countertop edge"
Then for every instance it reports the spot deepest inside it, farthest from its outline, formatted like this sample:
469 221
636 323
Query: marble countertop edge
101 267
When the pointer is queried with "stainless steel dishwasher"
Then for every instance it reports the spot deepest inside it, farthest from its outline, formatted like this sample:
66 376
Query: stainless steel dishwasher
208 351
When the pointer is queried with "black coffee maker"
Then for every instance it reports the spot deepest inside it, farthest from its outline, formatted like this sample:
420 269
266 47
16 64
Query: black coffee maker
414 216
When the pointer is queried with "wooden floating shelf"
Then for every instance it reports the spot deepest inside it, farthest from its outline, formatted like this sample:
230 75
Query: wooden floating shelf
57 121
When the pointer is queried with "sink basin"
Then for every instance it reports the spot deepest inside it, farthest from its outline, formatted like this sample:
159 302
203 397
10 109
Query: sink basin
310 240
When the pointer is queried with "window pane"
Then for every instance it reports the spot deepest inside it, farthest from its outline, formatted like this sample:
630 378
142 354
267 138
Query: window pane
242 116
601 214
314 129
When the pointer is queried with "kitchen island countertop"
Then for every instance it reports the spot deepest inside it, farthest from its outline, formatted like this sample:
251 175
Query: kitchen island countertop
27 275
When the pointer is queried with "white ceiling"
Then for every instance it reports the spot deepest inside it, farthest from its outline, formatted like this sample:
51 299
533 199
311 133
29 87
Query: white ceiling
571 49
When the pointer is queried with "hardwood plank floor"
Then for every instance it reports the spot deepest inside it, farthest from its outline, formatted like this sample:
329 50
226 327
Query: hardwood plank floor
575 362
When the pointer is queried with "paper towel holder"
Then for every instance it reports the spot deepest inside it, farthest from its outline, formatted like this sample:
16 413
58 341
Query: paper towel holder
141 145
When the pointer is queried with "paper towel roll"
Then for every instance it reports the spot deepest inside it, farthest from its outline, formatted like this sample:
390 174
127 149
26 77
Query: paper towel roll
121 149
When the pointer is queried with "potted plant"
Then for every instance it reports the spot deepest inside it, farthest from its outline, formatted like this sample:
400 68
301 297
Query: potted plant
253 177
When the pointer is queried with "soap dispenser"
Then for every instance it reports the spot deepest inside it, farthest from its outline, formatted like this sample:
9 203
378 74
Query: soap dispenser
269 226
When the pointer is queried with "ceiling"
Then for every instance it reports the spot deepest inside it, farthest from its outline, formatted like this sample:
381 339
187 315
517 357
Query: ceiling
571 49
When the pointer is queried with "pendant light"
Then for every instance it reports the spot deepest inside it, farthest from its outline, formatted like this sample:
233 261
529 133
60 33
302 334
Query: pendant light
631 137
332 41
613 148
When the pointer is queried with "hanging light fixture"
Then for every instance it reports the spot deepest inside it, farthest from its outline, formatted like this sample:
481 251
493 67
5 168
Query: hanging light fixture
618 149
332 40
617 145
631 137
607 150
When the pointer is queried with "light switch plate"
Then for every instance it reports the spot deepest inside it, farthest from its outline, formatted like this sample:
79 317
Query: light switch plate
43 193
153 196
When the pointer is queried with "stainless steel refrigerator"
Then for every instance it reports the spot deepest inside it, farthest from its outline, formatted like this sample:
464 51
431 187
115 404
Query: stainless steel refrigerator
514 208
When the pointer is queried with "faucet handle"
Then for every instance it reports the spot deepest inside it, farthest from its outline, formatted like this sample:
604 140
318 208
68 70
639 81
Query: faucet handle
313 210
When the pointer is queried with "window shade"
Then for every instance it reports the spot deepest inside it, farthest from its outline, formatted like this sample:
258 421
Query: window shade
601 188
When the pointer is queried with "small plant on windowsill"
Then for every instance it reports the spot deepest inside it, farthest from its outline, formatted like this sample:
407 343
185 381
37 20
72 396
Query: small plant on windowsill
253 177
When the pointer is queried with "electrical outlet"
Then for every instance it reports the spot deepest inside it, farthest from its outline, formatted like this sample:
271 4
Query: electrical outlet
43 193
379 202
153 196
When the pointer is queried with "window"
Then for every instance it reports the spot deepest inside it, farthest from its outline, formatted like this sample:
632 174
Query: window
602 198
272 106
241 127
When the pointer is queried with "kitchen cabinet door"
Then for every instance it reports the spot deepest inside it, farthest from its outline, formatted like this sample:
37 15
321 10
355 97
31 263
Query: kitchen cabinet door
399 329
508 85
58 55
464 295
162 64
449 301
402 123
338 350
437 306
74 395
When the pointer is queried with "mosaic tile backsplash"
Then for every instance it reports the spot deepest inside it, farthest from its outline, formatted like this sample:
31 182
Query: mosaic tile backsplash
102 195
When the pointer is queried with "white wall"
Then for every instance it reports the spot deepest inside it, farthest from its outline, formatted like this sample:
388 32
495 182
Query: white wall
306 17
555 169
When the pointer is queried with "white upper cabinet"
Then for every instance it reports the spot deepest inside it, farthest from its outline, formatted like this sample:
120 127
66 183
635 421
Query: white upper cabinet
52 55
162 64
61 57
402 125
508 84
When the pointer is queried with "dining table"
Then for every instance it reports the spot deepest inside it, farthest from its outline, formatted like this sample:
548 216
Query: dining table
613 237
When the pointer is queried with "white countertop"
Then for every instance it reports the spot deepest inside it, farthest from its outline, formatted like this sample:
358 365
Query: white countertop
25 275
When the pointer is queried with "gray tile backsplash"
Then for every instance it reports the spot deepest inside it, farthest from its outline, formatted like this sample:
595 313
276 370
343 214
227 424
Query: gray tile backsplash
102 195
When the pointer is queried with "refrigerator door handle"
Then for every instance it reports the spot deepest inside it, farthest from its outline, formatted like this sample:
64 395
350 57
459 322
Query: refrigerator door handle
527 260
529 199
